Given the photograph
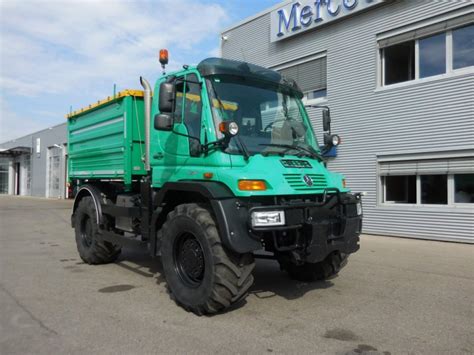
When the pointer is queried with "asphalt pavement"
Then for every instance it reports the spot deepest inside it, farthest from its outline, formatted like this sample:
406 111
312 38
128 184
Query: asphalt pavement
395 296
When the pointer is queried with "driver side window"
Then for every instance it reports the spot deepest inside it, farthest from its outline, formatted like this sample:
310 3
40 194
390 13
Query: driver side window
188 109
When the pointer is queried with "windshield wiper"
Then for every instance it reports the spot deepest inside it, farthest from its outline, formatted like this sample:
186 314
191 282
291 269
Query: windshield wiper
243 147
312 153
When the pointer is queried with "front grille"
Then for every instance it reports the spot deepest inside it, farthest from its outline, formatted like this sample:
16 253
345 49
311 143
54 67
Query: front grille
291 163
296 181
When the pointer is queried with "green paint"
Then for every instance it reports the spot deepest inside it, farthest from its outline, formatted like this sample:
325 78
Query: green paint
108 142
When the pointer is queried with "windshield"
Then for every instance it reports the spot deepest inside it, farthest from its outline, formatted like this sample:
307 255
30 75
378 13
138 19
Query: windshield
270 116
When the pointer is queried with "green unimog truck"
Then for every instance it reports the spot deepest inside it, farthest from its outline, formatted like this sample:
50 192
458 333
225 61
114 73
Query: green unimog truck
217 165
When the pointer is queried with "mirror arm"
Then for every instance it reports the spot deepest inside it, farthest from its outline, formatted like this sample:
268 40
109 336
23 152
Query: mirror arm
223 142
190 137
185 135
319 106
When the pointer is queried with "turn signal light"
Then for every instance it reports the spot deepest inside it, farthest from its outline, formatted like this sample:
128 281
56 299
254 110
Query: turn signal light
252 185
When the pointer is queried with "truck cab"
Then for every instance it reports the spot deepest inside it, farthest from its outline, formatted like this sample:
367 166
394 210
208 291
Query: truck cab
232 171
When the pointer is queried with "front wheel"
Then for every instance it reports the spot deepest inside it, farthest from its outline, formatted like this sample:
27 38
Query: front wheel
323 270
203 277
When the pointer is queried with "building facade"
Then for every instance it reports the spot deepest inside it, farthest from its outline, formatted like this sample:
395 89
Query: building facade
36 164
398 77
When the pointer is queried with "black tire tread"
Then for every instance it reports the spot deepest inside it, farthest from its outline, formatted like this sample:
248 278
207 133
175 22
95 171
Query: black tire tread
100 252
233 273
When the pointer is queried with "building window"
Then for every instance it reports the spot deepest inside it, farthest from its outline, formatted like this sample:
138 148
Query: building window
399 63
400 189
427 182
463 47
311 77
464 188
436 50
316 94
432 55
434 189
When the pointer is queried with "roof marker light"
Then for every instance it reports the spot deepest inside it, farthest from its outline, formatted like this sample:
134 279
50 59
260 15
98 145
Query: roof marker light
164 56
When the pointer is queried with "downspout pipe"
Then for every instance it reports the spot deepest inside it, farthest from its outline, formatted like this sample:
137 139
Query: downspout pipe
147 110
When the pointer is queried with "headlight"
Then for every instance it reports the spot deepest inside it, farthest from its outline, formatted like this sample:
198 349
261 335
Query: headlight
335 140
268 218
359 208
233 128
229 128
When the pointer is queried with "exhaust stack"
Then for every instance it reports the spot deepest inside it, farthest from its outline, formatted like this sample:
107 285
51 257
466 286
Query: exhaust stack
147 109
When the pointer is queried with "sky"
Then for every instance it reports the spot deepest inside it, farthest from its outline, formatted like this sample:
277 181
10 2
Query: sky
59 54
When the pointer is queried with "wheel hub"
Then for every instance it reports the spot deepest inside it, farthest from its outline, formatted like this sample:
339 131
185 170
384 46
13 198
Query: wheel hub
190 260
86 231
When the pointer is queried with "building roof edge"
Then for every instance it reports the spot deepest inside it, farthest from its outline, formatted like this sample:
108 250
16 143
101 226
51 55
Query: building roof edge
33 133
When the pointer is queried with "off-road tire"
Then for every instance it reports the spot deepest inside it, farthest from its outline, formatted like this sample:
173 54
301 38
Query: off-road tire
91 249
216 278
323 270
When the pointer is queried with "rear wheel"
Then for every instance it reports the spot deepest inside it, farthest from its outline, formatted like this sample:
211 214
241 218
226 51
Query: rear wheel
91 249
323 270
203 277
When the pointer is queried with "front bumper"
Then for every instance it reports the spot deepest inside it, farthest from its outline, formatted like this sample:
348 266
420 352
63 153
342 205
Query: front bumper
313 230
324 242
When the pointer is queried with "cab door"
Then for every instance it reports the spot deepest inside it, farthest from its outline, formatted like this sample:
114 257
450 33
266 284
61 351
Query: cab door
181 147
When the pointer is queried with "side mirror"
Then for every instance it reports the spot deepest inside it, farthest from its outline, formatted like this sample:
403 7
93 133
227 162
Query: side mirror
326 120
163 122
166 98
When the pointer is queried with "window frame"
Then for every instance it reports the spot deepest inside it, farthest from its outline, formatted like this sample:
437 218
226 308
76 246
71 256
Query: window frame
418 55
403 164
451 198
184 119
419 190
449 57
394 203
382 200
183 78
381 66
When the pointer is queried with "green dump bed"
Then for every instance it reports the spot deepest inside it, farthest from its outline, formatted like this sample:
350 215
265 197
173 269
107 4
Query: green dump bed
107 140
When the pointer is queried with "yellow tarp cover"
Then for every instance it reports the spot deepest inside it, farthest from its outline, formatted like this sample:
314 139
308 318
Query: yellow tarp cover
127 92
